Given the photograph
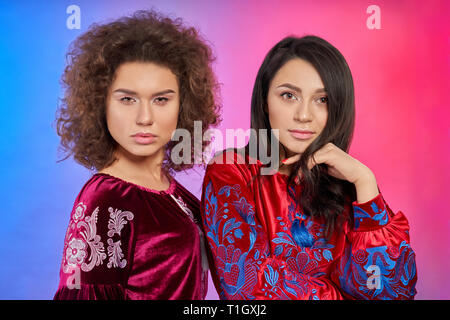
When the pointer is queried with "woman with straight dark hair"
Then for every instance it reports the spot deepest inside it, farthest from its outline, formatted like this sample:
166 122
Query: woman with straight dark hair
318 227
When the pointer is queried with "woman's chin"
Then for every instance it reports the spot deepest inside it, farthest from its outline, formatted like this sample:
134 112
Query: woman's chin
294 150
140 151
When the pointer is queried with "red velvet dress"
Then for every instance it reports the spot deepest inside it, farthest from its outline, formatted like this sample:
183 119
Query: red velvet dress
262 246
128 242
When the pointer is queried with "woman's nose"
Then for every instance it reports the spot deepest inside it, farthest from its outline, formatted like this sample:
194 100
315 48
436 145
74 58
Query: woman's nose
303 112
144 116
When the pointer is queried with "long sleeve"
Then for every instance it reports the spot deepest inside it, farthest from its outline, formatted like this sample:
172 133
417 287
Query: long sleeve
97 250
242 264
378 261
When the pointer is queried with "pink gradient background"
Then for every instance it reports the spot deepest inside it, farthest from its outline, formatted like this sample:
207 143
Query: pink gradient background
401 76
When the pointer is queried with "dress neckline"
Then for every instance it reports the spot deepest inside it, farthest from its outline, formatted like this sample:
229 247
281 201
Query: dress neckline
169 190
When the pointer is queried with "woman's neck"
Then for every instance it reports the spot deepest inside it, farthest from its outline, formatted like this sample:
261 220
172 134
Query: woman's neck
145 171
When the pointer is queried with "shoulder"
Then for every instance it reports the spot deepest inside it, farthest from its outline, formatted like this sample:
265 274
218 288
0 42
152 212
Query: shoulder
232 163
229 156
102 186
101 194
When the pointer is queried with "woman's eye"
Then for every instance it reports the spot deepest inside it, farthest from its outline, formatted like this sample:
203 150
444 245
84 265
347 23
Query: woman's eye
127 100
161 100
288 96
323 100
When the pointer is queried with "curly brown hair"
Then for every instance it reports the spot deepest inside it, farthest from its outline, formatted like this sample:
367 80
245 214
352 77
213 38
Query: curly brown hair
92 60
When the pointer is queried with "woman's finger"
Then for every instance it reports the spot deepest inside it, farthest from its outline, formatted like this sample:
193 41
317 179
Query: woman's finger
320 156
311 162
292 159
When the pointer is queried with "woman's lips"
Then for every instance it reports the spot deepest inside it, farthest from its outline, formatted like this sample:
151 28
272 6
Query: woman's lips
301 134
144 138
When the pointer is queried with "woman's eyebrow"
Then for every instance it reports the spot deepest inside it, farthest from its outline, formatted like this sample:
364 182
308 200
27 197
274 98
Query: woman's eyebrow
295 88
167 91
290 86
131 92
126 91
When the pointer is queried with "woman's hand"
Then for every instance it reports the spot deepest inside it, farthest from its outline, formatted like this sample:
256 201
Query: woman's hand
342 166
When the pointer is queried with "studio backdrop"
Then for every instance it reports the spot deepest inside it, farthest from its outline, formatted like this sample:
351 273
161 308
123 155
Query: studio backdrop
398 52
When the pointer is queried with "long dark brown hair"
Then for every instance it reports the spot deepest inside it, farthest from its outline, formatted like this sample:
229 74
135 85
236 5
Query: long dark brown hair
322 196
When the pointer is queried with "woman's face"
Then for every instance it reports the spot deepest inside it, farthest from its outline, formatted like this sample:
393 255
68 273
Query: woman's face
297 105
142 108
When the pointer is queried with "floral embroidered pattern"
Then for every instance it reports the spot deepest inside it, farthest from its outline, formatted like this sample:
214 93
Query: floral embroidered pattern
306 239
84 230
83 246
115 255
79 212
290 265
396 276
237 269
237 273
75 252
379 216
239 277
115 225
117 220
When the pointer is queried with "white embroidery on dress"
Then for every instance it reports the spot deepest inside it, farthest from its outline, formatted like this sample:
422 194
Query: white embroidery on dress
79 212
76 246
117 220
115 254
89 233
184 207
83 246
75 252
115 225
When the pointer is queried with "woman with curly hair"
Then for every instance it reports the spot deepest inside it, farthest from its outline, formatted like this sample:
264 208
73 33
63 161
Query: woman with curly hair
133 231
318 228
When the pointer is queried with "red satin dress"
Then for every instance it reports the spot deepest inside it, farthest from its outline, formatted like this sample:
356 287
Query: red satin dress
262 245
125 241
